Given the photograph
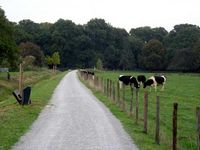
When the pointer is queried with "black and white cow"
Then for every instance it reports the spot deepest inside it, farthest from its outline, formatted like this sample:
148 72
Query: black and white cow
155 81
128 80
141 79
134 82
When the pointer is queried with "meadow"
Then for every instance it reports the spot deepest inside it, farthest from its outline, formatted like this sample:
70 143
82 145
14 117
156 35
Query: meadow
182 88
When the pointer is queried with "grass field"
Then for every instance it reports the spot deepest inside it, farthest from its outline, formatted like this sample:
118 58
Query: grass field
15 120
181 88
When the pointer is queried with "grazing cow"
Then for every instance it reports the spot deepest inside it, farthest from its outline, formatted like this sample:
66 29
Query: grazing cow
141 79
128 80
154 81
134 82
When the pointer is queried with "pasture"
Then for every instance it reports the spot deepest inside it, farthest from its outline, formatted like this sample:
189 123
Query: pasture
181 88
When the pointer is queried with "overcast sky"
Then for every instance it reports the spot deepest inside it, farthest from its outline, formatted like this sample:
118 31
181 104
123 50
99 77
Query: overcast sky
119 13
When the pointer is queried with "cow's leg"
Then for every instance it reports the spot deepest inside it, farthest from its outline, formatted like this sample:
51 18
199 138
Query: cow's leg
120 84
163 86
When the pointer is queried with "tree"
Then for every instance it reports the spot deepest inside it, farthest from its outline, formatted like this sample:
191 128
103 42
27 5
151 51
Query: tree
147 33
185 60
153 56
49 61
55 59
99 64
136 46
183 36
31 49
8 48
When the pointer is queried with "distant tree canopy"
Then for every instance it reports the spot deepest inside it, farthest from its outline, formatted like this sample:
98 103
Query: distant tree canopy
8 48
81 46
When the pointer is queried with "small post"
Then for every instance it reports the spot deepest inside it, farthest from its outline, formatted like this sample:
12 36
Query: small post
131 105
110 90
21 79
198 127
107 90
137 106
118 93
104 87
145 111
174 146
123 98
8 75
113 91
157 135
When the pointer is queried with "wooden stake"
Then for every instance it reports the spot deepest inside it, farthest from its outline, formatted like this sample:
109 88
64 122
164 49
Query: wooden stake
107 90
157 135
20 79
118 94
131 105
174 145
145 111
137 105
123 98
198 127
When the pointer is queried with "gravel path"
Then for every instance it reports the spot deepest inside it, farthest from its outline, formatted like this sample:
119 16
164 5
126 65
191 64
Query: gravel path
75 120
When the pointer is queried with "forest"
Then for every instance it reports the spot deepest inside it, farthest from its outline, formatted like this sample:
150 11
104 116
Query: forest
82 46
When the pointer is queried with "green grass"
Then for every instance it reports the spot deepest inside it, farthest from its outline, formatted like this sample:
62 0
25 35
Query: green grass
30 78
181 88
15 120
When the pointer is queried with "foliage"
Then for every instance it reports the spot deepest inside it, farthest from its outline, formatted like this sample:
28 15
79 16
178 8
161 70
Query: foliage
56 58
8 48
152 56
53 61
99 64
31 49
81 45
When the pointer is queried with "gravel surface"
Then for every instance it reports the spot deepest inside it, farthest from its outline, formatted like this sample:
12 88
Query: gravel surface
75 120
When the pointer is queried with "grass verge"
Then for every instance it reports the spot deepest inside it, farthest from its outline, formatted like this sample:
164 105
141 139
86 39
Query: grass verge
15 120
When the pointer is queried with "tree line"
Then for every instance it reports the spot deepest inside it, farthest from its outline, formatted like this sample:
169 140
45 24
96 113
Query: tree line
81 46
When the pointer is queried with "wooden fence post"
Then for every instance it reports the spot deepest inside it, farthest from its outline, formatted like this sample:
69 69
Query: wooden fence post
198 127
107 90
174 146
131 104
145 111
118 94
113 91
21 80
137 106
123 98
110 90
104 87
157 135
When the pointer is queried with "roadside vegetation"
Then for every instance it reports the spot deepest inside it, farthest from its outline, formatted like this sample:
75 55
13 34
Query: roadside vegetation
15 119
181 88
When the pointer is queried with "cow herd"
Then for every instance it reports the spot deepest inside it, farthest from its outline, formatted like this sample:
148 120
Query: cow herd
134 82
137 82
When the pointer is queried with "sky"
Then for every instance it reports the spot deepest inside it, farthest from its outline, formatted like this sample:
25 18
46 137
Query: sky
125 14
